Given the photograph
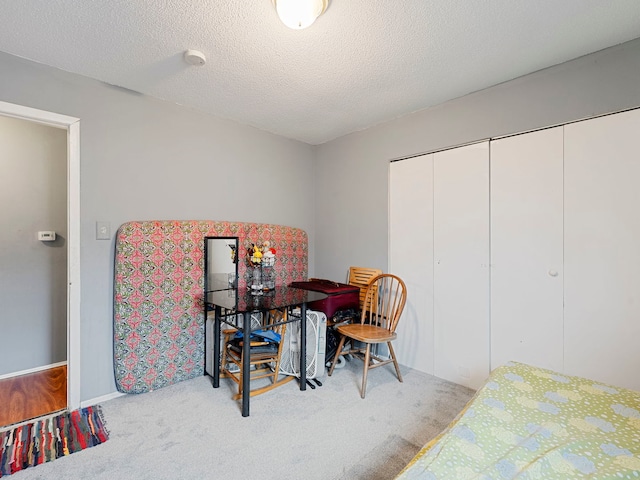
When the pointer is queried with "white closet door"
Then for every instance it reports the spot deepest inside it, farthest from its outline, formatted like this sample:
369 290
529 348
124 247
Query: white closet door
526 249
602 249
411 257
461 268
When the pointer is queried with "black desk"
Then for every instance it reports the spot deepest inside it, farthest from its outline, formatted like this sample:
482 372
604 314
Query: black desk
228 304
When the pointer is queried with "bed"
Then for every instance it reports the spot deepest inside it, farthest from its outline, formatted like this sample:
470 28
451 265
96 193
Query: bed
530 423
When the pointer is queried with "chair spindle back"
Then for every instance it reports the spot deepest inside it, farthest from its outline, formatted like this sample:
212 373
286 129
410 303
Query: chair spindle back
385 298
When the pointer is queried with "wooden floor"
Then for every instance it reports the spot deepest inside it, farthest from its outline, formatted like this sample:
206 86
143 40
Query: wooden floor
33 395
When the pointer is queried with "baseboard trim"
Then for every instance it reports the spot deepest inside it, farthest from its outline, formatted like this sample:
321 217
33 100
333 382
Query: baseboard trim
102 399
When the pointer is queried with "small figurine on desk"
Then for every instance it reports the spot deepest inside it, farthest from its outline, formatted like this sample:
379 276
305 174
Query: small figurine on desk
255 256
269 254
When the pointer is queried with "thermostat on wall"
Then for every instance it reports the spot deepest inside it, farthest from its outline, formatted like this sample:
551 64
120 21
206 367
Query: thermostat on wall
46 236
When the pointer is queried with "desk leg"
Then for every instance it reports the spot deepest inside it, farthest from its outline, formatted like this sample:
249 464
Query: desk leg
216 347
246 363
303 346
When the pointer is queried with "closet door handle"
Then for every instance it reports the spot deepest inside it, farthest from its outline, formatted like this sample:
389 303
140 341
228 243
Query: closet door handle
553 273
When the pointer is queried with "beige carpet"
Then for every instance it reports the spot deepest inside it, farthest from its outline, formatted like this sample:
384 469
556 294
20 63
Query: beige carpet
192 431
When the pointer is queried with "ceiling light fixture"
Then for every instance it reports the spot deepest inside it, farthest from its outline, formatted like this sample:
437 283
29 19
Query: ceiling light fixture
299 14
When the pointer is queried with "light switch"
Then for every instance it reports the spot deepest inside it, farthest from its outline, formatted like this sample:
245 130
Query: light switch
103 230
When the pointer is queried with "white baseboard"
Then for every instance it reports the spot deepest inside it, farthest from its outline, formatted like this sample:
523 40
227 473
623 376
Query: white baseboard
102 399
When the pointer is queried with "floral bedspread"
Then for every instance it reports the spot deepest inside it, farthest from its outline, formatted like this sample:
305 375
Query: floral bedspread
530 423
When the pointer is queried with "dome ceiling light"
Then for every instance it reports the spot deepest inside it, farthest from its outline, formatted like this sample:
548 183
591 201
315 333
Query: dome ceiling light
299 14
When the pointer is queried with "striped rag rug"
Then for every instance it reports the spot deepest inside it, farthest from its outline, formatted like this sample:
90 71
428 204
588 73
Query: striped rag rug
48 438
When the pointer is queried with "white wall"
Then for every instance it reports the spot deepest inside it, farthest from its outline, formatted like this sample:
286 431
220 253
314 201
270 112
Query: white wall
351 173
33 274
145 159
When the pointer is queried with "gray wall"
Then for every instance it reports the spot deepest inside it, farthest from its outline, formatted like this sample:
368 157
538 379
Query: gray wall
351 173
145 159
33 274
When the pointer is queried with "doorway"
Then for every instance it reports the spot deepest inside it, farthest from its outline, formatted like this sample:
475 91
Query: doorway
70 309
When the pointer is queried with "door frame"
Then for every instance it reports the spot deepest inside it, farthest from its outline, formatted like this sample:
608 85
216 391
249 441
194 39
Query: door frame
72 126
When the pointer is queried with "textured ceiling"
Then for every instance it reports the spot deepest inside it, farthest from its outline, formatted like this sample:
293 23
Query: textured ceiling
362 63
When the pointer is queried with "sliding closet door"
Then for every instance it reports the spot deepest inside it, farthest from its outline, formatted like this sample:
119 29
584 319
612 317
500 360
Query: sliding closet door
461 264
526 249
411 257
602 249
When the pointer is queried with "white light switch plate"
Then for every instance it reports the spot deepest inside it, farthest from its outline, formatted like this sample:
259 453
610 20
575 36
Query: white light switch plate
103 231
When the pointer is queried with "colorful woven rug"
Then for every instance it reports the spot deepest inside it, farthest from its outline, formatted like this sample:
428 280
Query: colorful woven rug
49 438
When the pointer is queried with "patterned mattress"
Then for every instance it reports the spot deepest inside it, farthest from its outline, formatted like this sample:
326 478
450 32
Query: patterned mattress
159 282
530 423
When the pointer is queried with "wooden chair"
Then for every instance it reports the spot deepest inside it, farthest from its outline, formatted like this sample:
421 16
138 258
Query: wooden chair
263 365
385 298
360 277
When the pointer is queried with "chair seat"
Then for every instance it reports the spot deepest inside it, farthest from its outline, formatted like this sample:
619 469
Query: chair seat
367 333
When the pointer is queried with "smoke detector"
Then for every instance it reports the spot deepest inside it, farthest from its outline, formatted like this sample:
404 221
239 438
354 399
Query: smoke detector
194 57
